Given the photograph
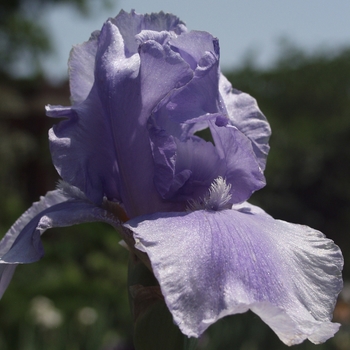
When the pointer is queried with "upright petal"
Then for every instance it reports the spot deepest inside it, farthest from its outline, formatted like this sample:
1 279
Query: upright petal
196 106
82 149
245 114
159 61
242 169
128 102
194 45
131 24
181 168
81 66
82 57
200 96
215 263
91 150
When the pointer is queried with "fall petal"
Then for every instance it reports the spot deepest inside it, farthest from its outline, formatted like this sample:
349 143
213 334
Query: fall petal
22 243
212 264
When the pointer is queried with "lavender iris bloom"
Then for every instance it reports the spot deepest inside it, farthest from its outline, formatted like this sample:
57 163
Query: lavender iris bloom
129 155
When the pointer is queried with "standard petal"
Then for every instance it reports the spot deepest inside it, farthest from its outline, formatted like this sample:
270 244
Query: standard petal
245 114
242 167
212 264
83 146
131 24
198 97
159 61
128 99
82 149
91 150
199 105
193 45
181 168
81 66
22 243
82 57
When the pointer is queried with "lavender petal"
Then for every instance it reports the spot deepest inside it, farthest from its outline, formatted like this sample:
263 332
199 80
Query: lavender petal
245 114
22 243
212 264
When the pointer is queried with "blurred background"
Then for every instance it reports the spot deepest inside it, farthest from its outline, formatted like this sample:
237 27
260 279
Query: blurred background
292 56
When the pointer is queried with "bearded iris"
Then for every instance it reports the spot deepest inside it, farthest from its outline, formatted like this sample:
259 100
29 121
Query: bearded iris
129 154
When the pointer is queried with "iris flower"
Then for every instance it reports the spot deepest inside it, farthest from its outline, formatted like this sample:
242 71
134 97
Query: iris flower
129 153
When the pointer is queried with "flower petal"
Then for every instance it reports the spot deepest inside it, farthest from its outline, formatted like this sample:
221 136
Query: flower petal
242 167
82 149
194 45
22 243
158 61
181 168
82 57
91 150
195 106
6 271
212 264
245 114
52 198
131 24
128 119
81 66
199 96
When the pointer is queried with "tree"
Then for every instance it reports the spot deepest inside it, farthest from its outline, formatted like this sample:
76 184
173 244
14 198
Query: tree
22 33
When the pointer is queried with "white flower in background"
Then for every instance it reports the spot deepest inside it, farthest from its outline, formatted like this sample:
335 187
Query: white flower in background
87 316
45 313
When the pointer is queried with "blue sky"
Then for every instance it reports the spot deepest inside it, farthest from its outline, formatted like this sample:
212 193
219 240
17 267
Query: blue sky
241 26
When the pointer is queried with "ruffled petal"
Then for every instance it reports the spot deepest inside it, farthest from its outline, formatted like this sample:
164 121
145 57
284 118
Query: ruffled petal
212 264
131 24
181 168
232 158
245 114
91 150
128 101
159 61
22 243
196 106
82 149
242 169
81 66
198 97
82 57
194 45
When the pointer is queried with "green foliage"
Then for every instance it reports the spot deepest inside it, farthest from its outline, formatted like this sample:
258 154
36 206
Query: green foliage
75 298
23 37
